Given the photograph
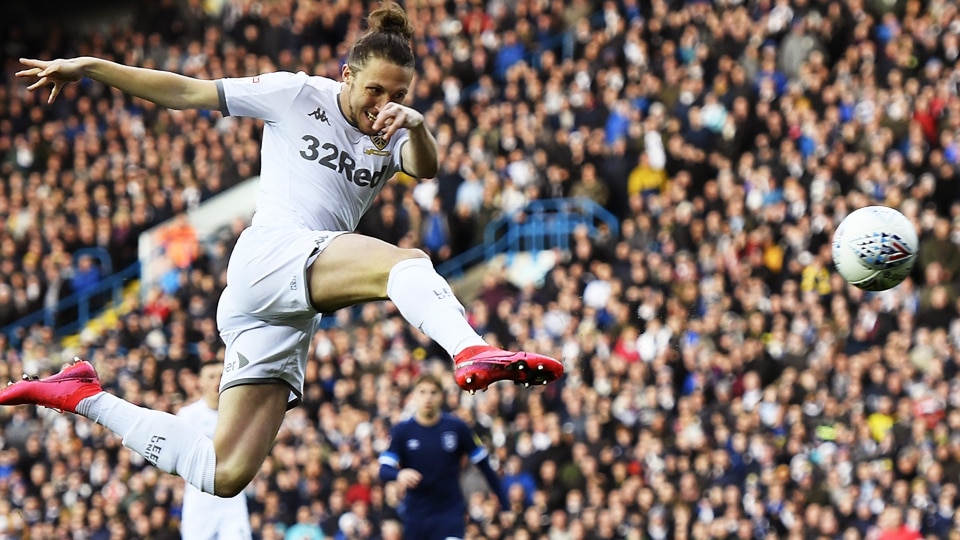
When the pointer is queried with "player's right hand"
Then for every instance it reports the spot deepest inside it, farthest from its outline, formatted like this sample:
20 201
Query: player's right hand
408 478
56 73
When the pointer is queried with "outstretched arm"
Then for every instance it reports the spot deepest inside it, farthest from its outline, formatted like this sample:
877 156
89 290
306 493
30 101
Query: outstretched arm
164 88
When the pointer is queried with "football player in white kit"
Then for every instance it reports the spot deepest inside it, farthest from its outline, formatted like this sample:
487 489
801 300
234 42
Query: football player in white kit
205 516
328 148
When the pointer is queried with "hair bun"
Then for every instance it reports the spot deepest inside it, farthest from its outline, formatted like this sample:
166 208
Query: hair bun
392 19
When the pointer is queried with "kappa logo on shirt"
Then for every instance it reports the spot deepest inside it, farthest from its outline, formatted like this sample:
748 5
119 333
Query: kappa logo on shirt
413 444
320 115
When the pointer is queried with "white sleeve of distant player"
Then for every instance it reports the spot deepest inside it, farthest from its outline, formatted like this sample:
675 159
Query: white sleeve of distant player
266 96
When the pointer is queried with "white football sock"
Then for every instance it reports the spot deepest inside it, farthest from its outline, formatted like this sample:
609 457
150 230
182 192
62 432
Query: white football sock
166 441
426 301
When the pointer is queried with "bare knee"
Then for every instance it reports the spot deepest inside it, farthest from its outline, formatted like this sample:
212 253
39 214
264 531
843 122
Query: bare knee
235 469
229 491
231 481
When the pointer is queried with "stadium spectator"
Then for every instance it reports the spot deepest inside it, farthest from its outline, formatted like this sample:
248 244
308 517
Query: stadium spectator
306 527
86 276
180 243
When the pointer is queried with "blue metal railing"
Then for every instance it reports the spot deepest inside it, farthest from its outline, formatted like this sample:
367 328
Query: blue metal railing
87 304
542 225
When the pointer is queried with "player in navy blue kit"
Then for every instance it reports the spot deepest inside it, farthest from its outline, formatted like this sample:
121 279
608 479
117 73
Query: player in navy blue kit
425 457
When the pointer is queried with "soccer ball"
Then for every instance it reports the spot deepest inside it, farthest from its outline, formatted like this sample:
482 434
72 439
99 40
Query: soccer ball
874 248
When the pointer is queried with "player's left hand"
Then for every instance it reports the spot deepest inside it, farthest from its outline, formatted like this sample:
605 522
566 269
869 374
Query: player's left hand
409 478
394 116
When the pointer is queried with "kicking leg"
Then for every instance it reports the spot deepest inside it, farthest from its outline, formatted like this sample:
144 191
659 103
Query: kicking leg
223 466
248 420
356 268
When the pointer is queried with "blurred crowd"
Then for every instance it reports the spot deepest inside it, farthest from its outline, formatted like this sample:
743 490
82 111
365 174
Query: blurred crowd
722 380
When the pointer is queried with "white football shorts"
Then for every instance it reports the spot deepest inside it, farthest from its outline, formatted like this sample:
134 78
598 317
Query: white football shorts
265 316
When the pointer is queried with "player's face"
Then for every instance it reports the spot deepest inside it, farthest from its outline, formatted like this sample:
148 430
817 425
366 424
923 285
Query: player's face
429 398
209 380
369 88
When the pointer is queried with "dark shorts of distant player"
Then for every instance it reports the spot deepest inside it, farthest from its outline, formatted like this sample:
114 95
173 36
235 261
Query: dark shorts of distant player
444 526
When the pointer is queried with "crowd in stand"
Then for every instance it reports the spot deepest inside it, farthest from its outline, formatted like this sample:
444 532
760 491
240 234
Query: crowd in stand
722 380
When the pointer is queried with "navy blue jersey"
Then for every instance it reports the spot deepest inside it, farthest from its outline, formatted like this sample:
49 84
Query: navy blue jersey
435 452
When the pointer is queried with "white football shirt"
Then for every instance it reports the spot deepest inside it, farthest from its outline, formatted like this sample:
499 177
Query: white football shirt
317 170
